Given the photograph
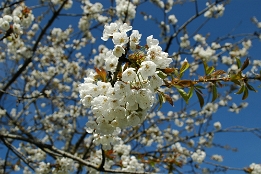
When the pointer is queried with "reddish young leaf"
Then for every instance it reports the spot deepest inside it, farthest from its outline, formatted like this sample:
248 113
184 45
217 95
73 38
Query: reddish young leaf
169 99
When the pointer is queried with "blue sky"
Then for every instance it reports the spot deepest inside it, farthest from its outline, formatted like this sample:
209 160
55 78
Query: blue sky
236 19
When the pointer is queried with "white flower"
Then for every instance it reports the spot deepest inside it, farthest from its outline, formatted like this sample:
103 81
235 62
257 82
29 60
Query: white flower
154 53
147 69
104 128
227 60
133 119
131 98
179 123
101 101
16 19
4 25
111 63
86 101
155 81
234 108
125 9
125 28
121 89
184 41
151 41
129 75
103 87
120 38
214 11
200 38
256 168
217 125
118 51
145 98
119 112
17 29
8 18
198 156
2 112
68 5
43 168
218 158
172 19
109 30
66 165
87 88
215 45
135 37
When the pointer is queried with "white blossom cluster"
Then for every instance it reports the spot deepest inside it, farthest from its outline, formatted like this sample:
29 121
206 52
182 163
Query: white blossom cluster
198 156
68 4
12 24
92 11
256 65
20 18
172 19
62 165
214 11
205 53
181 152
129 163
2 112
159 3
217 125
59 121
241 52
120 154
209 109
235 108
255 21
34 154
185 43
125 9
127 102
255 168
166 5
217 158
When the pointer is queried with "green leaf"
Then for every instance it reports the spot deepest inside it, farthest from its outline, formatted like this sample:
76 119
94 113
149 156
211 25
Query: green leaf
205 67
199 87
237 76
217 73
176 73
183 94
190 93
245 64
162 75
245 95
161 99
241 90
209 70
152 163
184 67
238 62
215 93
236 82
250 87
200 98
